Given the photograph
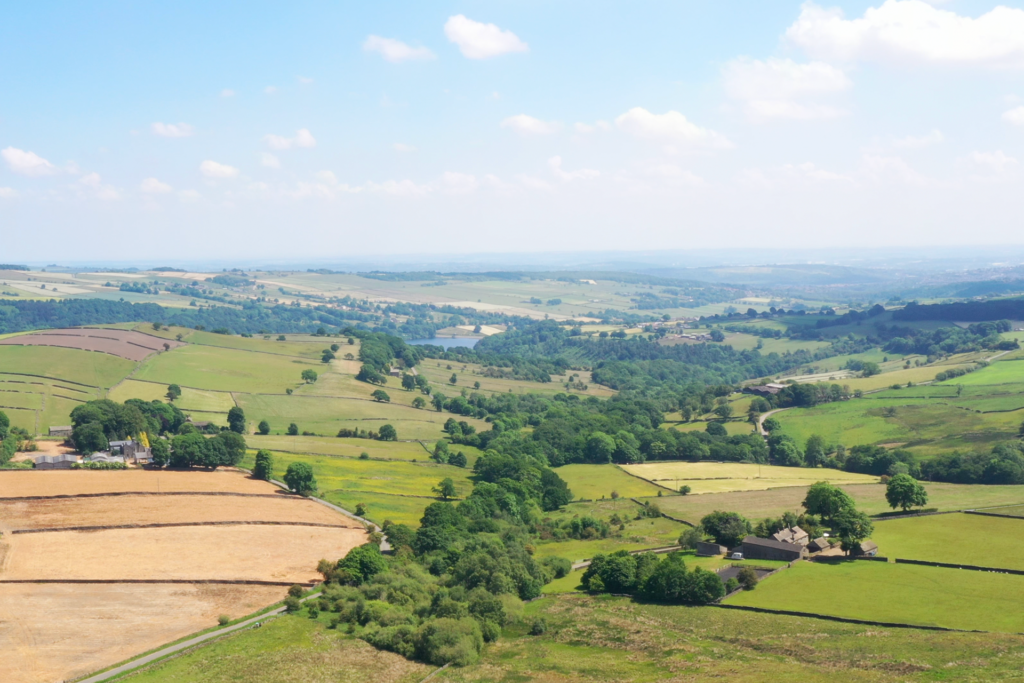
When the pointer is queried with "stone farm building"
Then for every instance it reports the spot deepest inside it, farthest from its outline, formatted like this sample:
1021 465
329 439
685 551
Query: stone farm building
792 535
755 548
708 549
63 430
765 389
63 461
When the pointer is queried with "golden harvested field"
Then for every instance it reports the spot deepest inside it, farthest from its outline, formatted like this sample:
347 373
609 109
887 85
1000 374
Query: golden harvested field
256 553
55 513
713 477
59 632
21 483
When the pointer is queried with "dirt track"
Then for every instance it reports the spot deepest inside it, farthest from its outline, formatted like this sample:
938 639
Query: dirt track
18 483
123 343
57 632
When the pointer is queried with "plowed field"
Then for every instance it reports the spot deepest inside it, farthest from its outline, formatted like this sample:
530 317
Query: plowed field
124 343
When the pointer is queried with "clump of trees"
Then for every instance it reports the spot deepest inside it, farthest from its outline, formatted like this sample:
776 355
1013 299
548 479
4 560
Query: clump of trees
647 576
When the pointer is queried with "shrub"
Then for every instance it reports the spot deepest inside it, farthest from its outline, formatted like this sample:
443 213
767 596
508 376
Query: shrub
559 566
538 627
449 641
731 585
747 578
292 604
295 591
223 620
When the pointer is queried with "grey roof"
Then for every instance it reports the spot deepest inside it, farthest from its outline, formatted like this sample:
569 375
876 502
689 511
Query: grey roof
790 535
820 543
768 543
868 546
63 457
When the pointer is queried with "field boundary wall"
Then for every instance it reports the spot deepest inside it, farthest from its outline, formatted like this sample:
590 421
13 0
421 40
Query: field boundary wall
173 525
992 514
969 567
227 582
14 499
842 620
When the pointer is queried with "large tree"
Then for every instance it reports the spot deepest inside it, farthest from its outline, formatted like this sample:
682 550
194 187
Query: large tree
264 468
727 528
905 492
299 478
236 420
852 527
826 501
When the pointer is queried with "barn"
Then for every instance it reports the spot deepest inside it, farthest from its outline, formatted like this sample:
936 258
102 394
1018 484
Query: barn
755 548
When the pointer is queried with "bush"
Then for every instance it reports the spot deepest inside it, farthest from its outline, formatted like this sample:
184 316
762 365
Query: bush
559 566
223 620
292 604
449 641
685 490
731 585
747 578
538 627
295 591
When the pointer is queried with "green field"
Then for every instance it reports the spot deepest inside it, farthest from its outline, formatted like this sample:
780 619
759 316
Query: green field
925 426
287 649
593 482
91 368
35 404
612 639
468 374
870 498
326 416
381 506
352 448
1000 372
897 593
1013 511
202 400
955 539
355 476
309 350
714 477
219 369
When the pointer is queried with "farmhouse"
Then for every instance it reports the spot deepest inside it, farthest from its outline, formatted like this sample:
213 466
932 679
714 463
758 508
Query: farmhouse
818 545
792 535
56 462
765 389
64 430
131 450
707 549
869 548
105 457
755 548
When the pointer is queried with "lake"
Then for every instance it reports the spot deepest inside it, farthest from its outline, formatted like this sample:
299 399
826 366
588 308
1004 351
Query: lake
447 342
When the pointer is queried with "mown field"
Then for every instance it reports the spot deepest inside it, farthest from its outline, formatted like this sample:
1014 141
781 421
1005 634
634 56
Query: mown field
897 593
959 538
467 374
220 369
712 477
593 482
353 448
613 639
71 365
202 400
870 498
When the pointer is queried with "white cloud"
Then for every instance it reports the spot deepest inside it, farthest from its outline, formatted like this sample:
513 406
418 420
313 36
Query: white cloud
399 188
327 177
399 147
227 92
528 125
458 183
211 169
1014 116
587 128
997 162
93 182
27 163
304 80
172 130
303 138
189 196
891 169
912 31
773 88
8 193
269 160
270 90
154 186
481 41
670 127
534 183
555 164
395 51
916 142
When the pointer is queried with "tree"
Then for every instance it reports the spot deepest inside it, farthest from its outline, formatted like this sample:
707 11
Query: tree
814 451
439 400
160 452
173 392
300 479
453 379
388 433
457 459
826 501
309 376
600 448
770 424
445 489
747 578
380 396
327 356
727 528
724 411
716 429
264 468
263 428
363 563
418 402
905 492
689 539
236 420
90 438
5 425
852 527
717 336
869 369
408 381
293 429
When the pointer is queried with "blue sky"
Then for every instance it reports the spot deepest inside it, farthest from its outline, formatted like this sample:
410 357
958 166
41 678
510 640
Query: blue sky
333 129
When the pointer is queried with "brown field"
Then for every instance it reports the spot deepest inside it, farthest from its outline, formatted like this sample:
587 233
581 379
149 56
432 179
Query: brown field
51 632
55 513
124 343
257 553
60 631
21 483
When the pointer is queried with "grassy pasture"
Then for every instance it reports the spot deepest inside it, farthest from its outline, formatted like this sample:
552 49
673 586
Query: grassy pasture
439 374
927 427
326 416
870 498
381 506
288 649
35 403
748 342
220 369
357 476
329 445
1000 372
593 482
73 365
638 534
710 477
202 400
309 350
958 538
898 593
732 427
1013 510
